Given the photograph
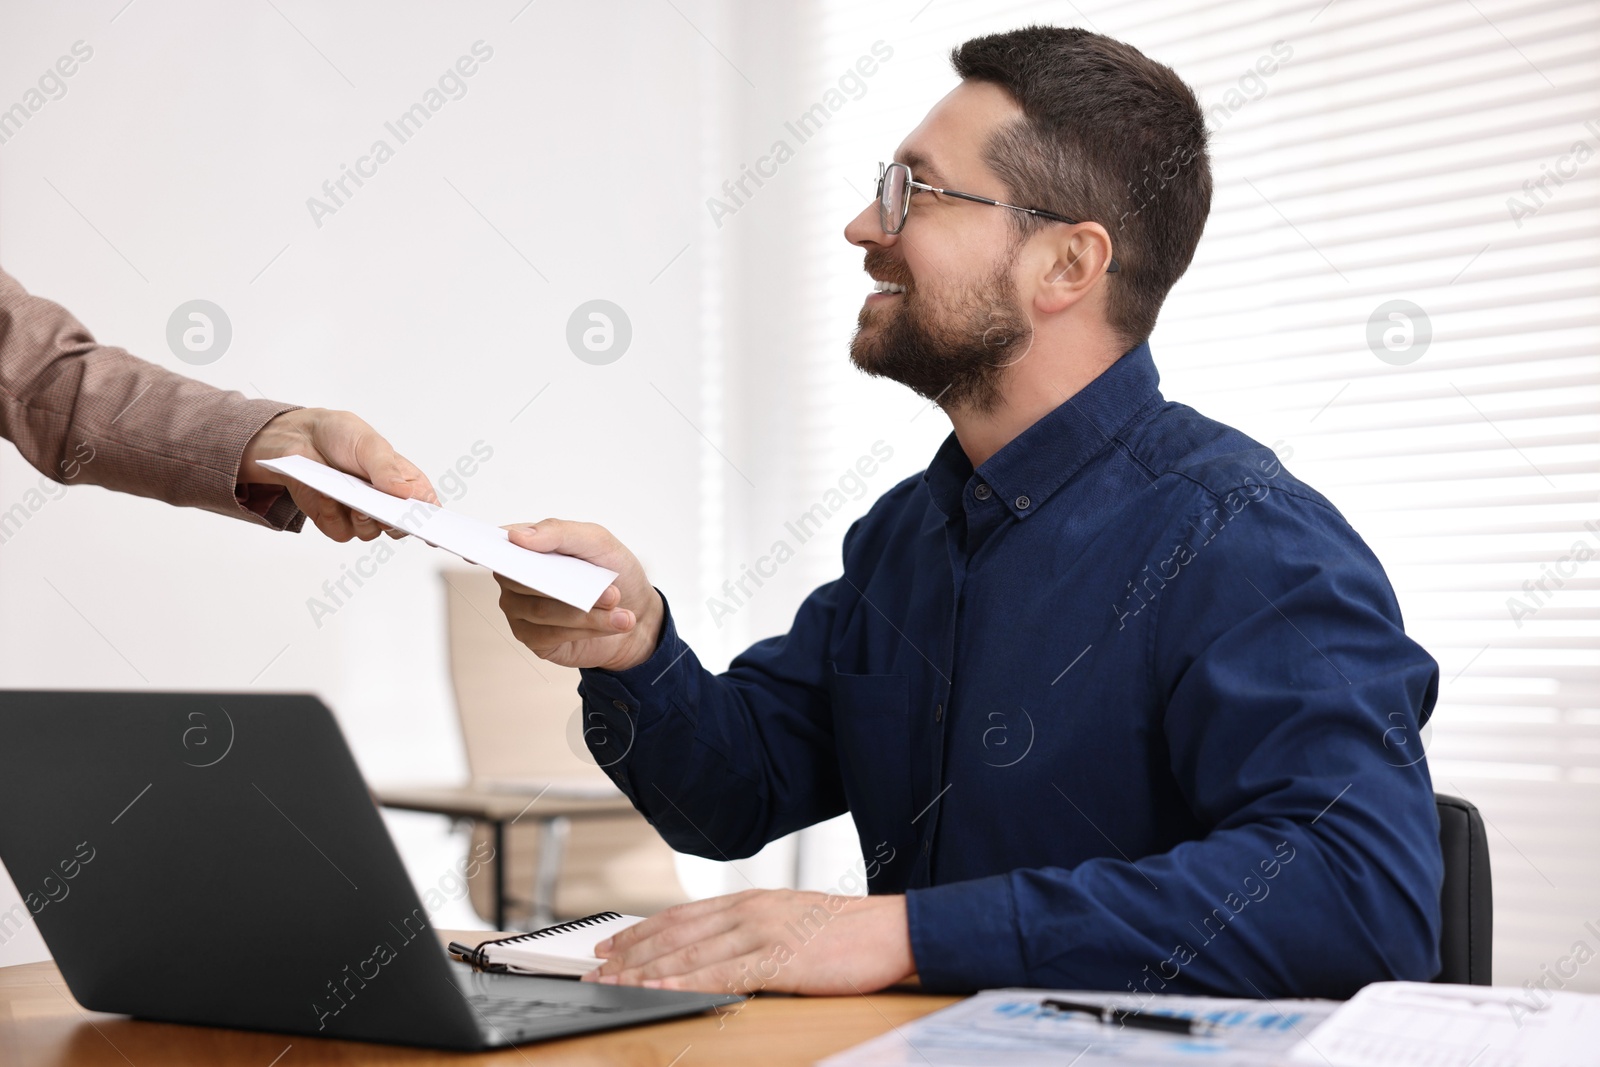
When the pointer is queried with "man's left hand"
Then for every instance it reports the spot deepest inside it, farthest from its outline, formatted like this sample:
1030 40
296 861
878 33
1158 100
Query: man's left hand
778 939
338 439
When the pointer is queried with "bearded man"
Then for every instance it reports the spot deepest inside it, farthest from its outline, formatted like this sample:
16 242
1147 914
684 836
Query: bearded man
1193 657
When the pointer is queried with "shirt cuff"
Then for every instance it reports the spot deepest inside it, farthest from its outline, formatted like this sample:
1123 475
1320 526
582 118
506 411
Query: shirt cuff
257 498
269 505
631 689
625 702
965 935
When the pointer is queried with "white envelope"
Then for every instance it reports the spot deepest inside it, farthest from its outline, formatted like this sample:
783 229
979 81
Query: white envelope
565 578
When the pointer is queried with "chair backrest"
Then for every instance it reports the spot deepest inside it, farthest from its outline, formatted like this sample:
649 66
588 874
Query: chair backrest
517 711
1467 898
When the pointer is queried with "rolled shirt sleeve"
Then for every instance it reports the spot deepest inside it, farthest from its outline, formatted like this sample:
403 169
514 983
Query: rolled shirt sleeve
89 414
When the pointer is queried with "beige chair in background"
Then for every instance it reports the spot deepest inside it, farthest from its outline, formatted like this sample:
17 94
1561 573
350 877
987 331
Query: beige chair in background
569 842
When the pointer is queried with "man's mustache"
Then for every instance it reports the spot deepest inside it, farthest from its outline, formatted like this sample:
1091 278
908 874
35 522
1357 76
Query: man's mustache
881 263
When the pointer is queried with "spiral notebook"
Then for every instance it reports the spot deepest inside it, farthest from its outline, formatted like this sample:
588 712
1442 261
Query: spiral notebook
563 949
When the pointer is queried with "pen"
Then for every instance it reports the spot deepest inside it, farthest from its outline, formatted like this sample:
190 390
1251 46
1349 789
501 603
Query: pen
475 957
1171 1024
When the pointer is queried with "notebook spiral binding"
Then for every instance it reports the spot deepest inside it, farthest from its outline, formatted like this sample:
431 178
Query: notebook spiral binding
479 957
560 928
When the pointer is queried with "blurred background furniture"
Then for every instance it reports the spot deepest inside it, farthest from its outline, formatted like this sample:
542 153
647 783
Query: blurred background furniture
566 841
1466 900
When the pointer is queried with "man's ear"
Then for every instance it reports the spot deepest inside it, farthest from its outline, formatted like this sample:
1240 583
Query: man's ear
1070 262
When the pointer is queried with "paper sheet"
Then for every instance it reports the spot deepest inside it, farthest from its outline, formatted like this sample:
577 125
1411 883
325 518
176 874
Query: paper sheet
1419 1024
566 578
1007 1028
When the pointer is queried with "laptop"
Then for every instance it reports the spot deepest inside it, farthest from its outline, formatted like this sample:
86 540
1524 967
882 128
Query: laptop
216 859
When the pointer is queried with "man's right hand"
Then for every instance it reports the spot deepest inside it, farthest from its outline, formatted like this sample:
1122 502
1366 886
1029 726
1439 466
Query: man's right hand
625 624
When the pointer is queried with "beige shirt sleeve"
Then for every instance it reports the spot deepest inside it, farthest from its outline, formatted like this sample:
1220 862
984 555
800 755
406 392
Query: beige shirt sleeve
84 413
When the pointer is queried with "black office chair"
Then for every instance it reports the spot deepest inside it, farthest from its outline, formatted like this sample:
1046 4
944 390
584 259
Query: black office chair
1466 900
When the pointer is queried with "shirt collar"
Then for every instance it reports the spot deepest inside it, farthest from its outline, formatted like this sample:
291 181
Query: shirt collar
1040 460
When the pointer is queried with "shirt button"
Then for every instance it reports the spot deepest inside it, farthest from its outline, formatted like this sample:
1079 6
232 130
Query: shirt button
982 492
1022 503
620 705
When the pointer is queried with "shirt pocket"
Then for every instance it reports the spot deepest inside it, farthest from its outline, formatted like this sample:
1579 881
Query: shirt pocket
872 735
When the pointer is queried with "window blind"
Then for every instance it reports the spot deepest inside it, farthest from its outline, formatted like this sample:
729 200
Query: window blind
1399 288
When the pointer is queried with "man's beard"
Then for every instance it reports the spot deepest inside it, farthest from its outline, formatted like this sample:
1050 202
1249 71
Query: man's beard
956 355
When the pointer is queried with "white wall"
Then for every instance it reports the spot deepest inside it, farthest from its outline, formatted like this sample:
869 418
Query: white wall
191 141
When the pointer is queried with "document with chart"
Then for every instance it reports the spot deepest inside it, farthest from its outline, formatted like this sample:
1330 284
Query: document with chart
1013 1028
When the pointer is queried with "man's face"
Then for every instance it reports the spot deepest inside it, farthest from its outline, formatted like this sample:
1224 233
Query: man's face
959 323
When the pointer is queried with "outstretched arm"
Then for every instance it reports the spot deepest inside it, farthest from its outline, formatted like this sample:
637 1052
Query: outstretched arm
719 764
91 414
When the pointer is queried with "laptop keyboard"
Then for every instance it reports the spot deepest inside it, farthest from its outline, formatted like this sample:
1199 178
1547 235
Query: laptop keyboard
511 1014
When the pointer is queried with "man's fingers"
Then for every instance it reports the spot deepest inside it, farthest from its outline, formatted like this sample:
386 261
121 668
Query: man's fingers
707 951
331 517
673 916
741 974
703 937
365 526
542 639
586 540
345 441
619 631
534 640
334 519
388 470
507 585
545 611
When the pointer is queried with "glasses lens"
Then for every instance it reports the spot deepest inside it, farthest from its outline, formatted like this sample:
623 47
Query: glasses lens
892 197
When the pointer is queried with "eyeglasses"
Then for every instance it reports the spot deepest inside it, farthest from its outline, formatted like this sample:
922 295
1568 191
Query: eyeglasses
895 186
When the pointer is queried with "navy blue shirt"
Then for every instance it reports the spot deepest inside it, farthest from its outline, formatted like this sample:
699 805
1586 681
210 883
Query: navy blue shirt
1128 707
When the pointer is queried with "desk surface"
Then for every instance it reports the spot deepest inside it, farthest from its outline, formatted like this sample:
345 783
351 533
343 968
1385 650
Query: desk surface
41 1024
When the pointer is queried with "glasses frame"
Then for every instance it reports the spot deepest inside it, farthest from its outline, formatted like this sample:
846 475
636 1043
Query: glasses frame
912 184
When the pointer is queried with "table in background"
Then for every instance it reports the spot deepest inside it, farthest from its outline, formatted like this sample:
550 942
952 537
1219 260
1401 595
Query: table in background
40 1024
501 808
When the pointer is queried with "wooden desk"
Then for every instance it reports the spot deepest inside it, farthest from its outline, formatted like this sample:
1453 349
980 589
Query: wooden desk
501 808
40 1024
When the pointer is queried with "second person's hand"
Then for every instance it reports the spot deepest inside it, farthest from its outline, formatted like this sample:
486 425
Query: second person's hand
622 629
345 442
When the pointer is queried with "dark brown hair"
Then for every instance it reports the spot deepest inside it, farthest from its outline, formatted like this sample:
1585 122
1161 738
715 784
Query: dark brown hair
1108 135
